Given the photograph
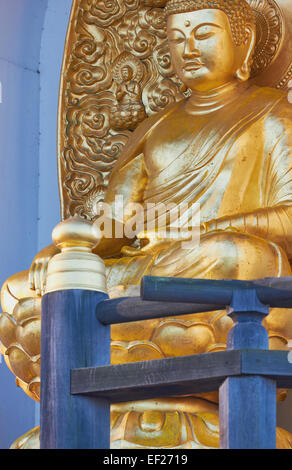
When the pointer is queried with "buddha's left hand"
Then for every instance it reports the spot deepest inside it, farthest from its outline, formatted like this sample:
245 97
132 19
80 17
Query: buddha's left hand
154 242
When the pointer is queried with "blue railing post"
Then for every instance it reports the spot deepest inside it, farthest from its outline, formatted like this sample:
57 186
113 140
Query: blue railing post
72 337
247 404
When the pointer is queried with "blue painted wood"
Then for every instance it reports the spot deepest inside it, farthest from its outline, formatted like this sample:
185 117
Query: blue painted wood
128 309
247 413
157 378
209 291
247 312
179 296
247 405
72 337
273 364
179 375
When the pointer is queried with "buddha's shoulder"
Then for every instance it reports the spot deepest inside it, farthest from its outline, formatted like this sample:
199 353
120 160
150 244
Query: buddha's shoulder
136 143
155 119
278 101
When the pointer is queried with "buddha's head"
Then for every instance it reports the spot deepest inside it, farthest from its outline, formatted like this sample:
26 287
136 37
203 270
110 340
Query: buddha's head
211 42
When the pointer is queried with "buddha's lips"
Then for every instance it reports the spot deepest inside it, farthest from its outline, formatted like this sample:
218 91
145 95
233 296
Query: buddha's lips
194 65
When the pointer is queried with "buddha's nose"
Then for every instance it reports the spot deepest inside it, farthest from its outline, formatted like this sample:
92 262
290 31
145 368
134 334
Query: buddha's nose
191 49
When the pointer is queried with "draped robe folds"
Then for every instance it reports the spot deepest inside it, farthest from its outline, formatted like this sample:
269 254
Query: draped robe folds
237 165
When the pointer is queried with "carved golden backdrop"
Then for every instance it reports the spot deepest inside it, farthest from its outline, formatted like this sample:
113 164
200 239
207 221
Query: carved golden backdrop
117 70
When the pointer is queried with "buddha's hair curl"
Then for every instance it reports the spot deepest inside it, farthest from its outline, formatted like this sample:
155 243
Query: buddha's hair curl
239 12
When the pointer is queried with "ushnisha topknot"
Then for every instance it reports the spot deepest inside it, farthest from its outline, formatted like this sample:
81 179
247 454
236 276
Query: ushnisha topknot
239 12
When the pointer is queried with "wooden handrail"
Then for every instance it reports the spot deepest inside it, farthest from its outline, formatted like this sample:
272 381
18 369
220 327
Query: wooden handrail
74 342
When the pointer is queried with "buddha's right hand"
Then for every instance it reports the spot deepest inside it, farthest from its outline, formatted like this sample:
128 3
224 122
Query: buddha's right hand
38 270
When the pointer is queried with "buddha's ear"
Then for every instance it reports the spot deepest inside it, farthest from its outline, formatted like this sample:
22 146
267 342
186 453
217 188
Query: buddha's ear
243 73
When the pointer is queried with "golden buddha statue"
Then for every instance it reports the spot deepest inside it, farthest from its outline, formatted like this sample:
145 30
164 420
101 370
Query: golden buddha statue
226 147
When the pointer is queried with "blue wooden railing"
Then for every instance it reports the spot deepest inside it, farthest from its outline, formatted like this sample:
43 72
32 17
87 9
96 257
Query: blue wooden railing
78 383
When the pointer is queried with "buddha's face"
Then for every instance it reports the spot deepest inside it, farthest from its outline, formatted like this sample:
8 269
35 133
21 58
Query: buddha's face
202 49
126 73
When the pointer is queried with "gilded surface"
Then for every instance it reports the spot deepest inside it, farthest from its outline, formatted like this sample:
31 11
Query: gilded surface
206 426
270 26
104 36
226 145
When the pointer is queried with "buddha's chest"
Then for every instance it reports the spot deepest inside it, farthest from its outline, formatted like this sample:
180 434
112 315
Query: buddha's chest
168 146
222 170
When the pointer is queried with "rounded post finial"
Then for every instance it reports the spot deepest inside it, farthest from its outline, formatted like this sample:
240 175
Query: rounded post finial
76 267
76 234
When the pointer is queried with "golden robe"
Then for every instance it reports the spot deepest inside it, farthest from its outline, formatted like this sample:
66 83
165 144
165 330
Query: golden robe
236 164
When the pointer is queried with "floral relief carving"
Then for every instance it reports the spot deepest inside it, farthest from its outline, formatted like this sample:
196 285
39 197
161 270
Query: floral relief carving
269 23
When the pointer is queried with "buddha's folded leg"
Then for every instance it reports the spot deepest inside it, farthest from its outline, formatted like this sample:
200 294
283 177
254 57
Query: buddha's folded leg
218 255
223 255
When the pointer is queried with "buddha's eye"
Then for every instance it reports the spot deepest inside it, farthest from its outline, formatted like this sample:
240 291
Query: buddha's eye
205 32
176 39
175 36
